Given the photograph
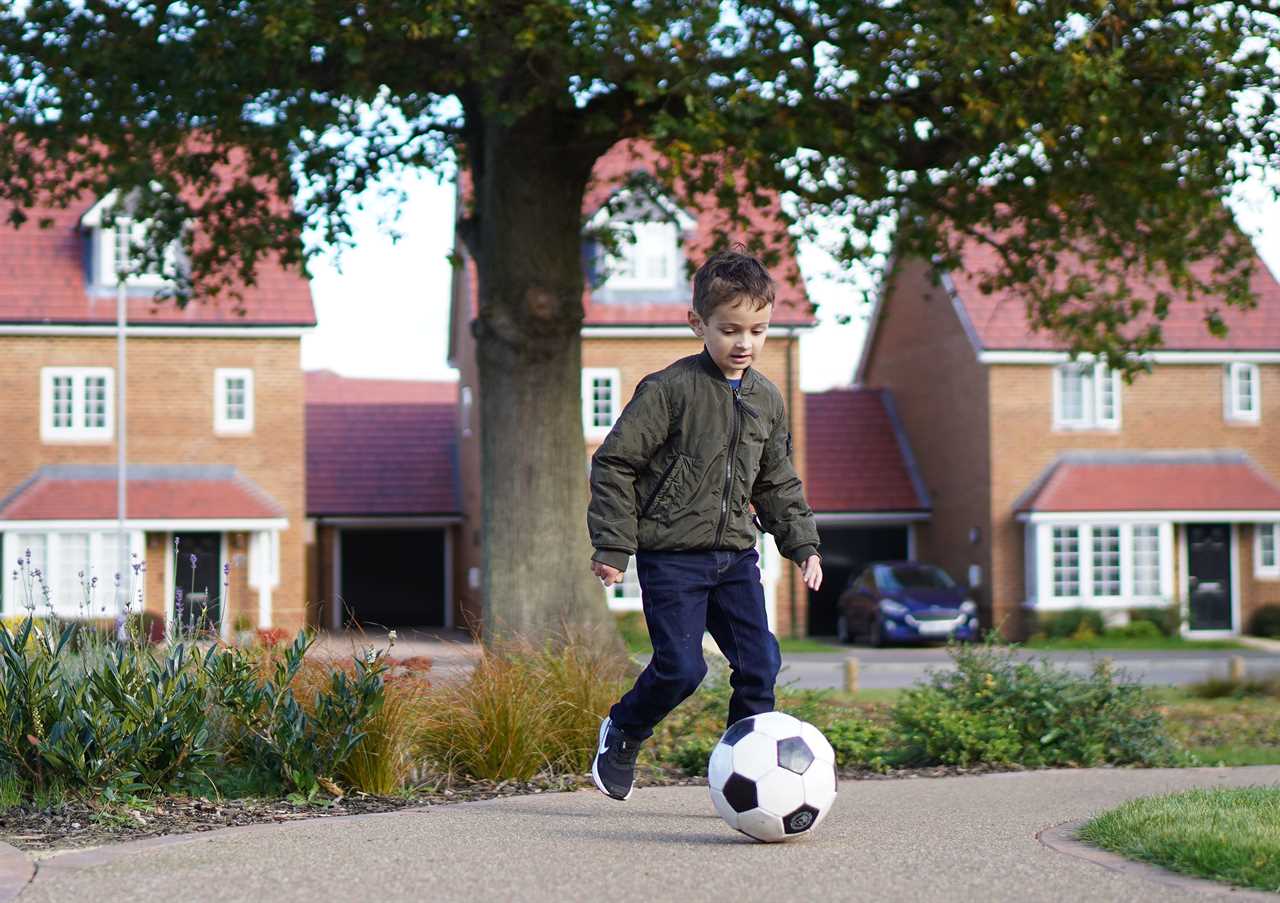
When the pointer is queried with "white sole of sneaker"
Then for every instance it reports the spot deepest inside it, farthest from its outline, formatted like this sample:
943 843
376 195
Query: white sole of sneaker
595 774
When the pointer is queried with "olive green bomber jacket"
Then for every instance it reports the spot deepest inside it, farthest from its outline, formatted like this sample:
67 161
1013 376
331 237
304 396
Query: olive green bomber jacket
686 457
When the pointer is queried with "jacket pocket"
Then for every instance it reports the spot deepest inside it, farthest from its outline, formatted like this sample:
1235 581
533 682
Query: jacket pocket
660 503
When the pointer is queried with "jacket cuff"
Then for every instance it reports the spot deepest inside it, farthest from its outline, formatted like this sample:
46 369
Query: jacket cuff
801 555
613 558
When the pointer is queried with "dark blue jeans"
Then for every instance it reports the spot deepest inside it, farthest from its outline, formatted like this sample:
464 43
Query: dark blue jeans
684 593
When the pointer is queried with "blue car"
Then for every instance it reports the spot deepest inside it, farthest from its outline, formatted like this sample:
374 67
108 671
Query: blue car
905 602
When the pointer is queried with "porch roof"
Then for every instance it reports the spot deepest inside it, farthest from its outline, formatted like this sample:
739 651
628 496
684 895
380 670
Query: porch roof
1179 481
176 492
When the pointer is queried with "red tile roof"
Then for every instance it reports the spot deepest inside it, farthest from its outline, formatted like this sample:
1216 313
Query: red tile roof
1152 481
72 492
327 387
394 453
44 279
857 456
1000 319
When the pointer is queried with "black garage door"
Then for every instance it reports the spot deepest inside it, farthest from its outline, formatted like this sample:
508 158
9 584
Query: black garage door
845 552
393 578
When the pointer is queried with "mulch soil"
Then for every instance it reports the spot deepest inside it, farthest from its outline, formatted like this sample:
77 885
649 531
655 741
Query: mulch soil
80 824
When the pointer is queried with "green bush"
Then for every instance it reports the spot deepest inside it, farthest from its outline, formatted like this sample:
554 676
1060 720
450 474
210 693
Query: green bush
858 743
1137 630
1074 623
1167 619
996 709
1266 621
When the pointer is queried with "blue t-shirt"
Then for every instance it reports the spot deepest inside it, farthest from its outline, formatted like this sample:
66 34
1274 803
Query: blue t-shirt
735 383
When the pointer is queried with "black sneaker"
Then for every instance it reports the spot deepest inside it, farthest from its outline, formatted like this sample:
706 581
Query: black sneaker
614 768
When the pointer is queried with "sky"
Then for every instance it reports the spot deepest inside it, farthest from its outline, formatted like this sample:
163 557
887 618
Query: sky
383 306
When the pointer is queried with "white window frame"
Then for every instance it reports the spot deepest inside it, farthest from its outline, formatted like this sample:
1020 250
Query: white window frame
648 240
1040 593
1262 569
78 431
1095 377
12 541
1124 587
589 375
222 424
1231 411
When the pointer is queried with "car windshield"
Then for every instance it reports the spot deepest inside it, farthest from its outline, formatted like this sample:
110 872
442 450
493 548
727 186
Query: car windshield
919 577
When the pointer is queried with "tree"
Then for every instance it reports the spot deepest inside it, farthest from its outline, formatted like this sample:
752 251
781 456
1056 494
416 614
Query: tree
1106 132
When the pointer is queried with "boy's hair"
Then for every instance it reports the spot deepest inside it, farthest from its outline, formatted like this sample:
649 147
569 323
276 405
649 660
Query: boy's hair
728 276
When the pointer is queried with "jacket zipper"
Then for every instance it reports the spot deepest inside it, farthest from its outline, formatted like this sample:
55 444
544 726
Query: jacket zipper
666 475
728 467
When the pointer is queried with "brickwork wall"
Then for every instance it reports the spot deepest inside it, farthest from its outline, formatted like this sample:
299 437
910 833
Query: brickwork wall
922 354
170 421
1178 406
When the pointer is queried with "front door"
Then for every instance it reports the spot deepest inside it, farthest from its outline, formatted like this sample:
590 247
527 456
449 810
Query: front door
1209 576
198 573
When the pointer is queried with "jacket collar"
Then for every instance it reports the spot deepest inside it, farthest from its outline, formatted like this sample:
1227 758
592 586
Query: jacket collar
709 366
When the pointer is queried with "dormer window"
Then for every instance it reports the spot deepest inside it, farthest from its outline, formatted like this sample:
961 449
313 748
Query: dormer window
646 258
115 249
647 230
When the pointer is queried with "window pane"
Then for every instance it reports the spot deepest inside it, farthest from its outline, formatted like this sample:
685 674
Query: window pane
72 569
1267 541
1066 561
601 401
1146 560
105 568
1244 389
235 394
1106 394
1073 389
95 402
1106 561
62 389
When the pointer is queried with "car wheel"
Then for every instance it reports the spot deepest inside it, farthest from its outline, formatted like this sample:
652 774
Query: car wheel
875 633
842 629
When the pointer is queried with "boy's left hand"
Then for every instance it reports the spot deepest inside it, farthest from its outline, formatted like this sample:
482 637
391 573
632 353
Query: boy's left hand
812 570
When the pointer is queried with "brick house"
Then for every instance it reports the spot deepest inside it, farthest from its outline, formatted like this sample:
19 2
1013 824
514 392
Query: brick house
1056 485
382 501
214 431
635 323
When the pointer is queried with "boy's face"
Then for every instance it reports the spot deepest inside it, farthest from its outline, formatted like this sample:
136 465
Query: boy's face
734 334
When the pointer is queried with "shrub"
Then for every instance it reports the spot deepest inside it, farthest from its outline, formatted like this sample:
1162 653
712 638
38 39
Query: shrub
1225 687
1167 619
1074 623
1138 630
996 709
1266 621
383 760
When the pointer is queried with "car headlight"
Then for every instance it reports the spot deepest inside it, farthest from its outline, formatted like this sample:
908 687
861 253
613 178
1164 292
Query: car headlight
969 607
893 609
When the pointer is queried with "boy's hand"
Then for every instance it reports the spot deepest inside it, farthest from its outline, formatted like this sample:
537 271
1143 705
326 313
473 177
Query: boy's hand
608 575
812 570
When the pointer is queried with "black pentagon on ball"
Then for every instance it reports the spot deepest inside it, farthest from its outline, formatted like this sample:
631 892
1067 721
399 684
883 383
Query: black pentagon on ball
801 820
739 730
740 793
794 755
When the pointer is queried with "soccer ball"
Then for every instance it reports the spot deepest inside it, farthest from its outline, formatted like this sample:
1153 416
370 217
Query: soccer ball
773 777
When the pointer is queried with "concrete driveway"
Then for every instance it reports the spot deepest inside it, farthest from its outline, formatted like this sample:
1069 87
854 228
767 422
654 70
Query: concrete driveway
943 839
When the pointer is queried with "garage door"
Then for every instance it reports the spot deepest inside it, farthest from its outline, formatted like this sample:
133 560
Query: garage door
845 552
393 578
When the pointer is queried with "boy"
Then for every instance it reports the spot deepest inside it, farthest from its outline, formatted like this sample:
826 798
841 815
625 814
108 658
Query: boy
671 483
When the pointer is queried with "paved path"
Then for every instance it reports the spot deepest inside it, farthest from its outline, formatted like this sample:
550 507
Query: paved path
889 668
948 839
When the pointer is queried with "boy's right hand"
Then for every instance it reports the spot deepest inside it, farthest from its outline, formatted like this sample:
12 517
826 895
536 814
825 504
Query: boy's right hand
608 575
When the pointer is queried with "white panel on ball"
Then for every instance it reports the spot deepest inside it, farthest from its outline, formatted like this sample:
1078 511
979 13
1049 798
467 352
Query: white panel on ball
754 755
780 792
762 826
723 809
720 766
820 786
778 725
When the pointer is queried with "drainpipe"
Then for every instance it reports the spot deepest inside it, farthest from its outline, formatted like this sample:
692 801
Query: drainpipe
791 582
122 257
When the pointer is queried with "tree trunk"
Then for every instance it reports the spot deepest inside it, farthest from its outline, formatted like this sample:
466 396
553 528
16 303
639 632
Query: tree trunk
528 248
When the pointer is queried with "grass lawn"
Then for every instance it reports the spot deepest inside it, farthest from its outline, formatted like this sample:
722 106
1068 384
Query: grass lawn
1226 834
636 636
1128 643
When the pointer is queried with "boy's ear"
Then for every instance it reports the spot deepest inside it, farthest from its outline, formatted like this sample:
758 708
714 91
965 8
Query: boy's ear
695 323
